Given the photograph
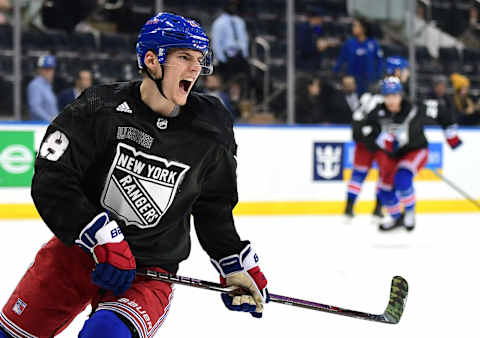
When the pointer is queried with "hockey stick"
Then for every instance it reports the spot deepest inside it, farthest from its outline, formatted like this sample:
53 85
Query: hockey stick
391 315
455 187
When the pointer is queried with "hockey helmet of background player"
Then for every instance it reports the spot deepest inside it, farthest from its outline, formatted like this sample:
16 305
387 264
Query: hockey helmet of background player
46 61
166 30
391 85
395 62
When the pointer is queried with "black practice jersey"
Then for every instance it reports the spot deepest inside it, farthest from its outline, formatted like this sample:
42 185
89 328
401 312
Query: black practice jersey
407 125
109 151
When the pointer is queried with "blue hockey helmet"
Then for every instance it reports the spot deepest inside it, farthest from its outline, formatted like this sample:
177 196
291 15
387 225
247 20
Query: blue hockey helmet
391 85
46 61
395 62
166 30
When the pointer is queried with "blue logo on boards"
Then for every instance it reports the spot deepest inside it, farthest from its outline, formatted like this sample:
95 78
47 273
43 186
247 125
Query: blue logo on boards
328 161
435 155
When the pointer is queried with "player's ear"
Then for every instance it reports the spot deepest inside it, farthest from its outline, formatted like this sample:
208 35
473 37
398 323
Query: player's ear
151 61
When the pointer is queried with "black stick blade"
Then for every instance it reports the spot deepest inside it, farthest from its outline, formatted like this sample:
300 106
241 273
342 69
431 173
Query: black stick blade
398 298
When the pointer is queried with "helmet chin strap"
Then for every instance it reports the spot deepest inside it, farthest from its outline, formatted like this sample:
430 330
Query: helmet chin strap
158 83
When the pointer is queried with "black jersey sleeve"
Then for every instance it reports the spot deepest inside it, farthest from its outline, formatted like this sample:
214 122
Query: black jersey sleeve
438 114
212 211
369 128
445 118
70 145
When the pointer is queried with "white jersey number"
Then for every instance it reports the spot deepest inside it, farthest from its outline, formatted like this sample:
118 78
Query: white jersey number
432 108
54 146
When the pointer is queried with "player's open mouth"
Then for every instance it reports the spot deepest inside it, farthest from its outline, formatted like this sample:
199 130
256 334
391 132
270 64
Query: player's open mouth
185 85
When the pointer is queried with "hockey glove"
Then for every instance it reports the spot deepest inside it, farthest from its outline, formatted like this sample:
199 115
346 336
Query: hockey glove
115 264
243 271
387 142
452 137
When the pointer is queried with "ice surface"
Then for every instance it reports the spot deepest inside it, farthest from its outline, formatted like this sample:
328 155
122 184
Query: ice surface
318 258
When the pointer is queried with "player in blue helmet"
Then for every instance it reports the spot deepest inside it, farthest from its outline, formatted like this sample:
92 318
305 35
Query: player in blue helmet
167 33
119 176
394 129
397 66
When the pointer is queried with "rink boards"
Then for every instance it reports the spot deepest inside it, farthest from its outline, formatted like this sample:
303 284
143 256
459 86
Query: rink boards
282 170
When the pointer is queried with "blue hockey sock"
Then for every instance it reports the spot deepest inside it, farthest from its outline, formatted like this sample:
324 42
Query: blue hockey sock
3 334
104 323
390 202
355 184
404 187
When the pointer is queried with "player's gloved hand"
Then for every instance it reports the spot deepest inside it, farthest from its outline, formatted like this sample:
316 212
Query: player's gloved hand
243 271
115 264
452 137
454 142
387 142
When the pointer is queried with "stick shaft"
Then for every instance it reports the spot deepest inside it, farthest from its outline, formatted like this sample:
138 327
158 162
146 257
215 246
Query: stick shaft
193 282
455 187
327 308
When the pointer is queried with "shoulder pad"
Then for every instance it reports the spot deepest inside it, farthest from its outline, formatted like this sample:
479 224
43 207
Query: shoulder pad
212 117
95 98
369 102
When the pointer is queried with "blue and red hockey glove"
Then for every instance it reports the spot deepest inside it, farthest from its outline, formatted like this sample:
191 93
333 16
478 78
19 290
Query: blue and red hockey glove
387 142
452 137
243 271
115 263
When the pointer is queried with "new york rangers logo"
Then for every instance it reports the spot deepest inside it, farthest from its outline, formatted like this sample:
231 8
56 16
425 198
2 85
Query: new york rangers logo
328 161
141 187
19 306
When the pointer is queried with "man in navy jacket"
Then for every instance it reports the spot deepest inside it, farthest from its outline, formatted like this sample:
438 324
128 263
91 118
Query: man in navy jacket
83 80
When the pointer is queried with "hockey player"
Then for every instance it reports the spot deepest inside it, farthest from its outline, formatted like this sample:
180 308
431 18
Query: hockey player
363 158
395 129
398 66
119 173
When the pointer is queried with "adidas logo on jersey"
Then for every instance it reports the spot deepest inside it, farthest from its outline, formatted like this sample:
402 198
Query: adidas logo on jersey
124 108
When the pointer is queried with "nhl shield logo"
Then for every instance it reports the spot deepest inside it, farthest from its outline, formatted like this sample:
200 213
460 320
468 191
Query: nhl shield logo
162 123
141 187
328 161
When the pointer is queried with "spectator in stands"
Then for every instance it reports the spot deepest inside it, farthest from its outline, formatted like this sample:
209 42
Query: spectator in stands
42 102
5 8
83 80
309 108
466 111
339 105
213 85
471 36
349 88
344 102
439 92
230 42
310 41
363 56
